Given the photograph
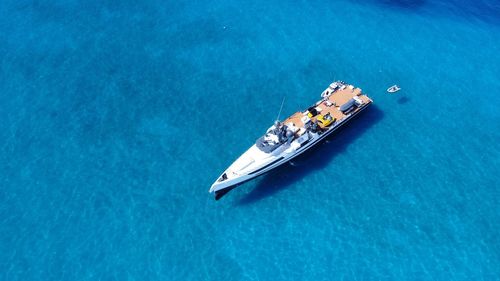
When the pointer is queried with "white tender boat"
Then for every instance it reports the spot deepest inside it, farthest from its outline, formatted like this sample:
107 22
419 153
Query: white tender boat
296 134
393 89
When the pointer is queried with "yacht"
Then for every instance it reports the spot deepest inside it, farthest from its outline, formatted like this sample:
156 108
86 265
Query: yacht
287 139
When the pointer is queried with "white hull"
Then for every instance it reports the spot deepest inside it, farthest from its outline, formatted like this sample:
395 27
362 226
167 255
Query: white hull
272 161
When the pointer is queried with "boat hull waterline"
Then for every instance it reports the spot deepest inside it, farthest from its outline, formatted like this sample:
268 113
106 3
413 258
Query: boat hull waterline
297 134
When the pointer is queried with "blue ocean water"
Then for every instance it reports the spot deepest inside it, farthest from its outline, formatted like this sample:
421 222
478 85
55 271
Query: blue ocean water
117 116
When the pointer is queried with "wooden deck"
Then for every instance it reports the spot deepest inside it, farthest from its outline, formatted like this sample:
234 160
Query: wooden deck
330 104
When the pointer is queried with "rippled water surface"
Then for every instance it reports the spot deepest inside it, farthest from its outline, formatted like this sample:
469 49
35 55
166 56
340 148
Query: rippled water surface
117 116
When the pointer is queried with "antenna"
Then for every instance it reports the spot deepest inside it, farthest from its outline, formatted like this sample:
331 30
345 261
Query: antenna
281 107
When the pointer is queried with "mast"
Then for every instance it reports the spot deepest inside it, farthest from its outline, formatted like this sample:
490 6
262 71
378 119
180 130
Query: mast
281 107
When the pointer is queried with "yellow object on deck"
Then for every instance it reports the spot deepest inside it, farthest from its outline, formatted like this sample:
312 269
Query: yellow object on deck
326 120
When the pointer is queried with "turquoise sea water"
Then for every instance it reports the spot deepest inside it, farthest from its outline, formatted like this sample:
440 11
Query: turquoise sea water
117 116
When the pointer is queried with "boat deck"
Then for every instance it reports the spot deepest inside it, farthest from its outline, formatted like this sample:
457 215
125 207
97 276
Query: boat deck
330 104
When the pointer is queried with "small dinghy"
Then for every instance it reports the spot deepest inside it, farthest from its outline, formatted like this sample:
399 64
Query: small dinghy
393 89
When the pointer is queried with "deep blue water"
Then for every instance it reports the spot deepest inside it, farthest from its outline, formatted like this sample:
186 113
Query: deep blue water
116 117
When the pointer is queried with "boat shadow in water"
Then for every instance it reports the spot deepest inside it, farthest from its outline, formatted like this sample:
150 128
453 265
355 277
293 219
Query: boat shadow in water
403 100
316 158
